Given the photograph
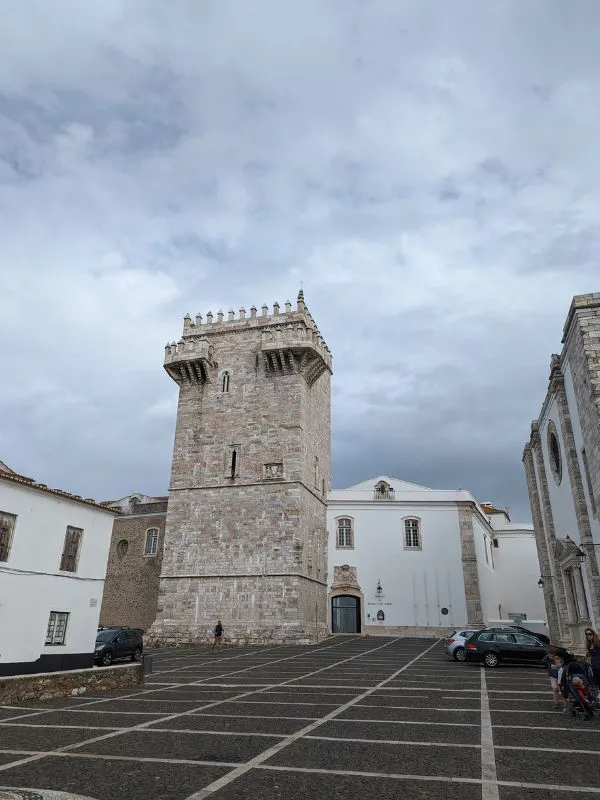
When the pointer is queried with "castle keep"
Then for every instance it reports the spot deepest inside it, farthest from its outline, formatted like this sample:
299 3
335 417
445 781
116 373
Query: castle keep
246 530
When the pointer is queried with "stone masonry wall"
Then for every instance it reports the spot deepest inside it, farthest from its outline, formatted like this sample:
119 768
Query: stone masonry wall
132 580
246 539
24 688
583 353
469 565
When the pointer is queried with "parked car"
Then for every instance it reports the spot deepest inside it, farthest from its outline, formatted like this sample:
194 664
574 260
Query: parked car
455 643
493 646
541 636
115 643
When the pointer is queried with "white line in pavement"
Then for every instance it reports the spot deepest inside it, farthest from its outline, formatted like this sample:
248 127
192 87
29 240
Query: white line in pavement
266 754
65 750
489 786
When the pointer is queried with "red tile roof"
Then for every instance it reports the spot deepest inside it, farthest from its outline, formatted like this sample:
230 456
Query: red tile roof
13 477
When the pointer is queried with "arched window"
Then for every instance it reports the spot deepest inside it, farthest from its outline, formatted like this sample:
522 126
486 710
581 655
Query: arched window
344 533
151 546
383 491
412 534
225 382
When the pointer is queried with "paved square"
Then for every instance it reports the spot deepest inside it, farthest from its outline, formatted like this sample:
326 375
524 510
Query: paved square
346 719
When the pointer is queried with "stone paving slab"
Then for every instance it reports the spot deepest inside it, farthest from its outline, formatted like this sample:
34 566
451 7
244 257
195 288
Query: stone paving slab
518 793
383 758
412 714
573 769
111 780
269 785
283 710
15 737
193 694
585 738
7 713
88 718
238 724
181 746
401 732
151 706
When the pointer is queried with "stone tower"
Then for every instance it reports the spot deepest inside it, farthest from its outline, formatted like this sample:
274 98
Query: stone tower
246 535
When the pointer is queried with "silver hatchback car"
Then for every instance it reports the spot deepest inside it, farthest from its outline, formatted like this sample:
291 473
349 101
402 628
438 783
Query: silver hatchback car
455 643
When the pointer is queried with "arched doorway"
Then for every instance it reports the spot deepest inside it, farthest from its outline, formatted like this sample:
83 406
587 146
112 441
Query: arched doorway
345 614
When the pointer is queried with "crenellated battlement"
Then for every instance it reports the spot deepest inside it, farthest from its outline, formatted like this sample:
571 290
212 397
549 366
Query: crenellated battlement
215 323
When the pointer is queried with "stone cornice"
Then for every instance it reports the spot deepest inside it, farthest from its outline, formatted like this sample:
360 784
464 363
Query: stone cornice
207 576
236 482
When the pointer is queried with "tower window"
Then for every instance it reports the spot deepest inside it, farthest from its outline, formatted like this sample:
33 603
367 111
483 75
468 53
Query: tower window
233 463
225 382
345 533
412 534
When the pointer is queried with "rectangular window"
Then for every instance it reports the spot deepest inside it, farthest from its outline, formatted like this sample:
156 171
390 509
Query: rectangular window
7 526
57 628
344 533
588 479
412 534
70 554
151 547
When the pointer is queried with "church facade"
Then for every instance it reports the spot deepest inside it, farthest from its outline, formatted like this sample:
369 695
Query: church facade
562 466
408 559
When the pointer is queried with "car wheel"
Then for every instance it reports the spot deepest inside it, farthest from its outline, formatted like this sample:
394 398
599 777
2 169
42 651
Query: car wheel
136 655
490 659
460 654
106 659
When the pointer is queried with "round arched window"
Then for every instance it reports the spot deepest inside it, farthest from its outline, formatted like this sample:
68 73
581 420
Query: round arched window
554 453
123 547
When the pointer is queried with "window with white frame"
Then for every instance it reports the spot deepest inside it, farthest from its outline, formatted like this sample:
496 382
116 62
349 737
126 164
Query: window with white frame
7 527
412 534
71 549
56 633
345 533
151 546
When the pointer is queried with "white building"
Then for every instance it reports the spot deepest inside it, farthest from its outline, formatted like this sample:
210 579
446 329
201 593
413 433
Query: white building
53 555
407 559
562 465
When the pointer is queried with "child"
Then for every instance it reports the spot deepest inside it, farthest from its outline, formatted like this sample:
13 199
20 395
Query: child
553 669
561 681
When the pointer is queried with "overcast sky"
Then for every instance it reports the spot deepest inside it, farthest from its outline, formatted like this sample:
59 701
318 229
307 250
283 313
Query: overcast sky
429 170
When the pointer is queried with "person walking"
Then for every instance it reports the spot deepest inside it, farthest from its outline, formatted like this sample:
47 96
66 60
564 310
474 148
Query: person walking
592 645
218 636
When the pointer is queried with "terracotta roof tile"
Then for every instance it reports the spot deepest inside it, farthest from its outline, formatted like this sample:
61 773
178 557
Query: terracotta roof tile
13 477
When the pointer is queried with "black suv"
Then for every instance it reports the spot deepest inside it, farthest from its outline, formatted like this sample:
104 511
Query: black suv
113 643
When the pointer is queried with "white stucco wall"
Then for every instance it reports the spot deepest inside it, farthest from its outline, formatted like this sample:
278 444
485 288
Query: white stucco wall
416 584
561 496
31 585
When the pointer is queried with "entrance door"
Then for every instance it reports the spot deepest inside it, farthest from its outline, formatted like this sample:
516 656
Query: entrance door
345 614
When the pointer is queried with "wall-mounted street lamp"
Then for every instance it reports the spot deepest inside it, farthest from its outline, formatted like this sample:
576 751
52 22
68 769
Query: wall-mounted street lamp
579 552
541 580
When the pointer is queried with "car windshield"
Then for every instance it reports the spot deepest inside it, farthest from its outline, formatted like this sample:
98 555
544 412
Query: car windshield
105 636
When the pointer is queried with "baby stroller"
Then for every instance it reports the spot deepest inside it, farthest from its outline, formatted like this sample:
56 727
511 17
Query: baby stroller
578 690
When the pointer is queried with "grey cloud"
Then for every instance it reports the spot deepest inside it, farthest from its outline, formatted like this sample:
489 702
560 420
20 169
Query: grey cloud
430 175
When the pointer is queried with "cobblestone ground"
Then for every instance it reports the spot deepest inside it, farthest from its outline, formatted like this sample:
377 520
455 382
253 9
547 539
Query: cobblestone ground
347 719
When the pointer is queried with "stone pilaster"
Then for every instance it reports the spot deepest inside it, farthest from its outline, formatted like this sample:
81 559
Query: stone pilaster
557 386
541 544
469 565
558 588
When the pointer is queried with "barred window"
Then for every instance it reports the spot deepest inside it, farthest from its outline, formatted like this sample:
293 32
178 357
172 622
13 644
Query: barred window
70 554
225 382
412 534
345 532
57 628
7 526
151 546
